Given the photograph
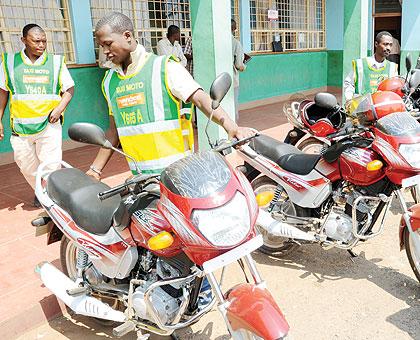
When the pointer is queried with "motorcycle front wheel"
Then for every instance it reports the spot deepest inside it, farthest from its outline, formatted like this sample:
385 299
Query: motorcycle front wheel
411 251
276 245
68 259
311 145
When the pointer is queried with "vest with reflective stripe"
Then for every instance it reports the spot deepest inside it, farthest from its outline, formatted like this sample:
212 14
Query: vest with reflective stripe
147 116
367 79
34 91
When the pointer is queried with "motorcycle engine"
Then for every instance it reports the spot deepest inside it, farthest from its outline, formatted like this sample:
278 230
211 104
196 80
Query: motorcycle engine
165 299
338 225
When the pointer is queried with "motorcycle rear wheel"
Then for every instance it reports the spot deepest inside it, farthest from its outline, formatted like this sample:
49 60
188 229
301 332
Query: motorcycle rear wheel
275 245
311 145
68 259
411 252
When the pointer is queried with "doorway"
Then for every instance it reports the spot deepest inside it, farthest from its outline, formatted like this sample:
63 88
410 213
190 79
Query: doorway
387 17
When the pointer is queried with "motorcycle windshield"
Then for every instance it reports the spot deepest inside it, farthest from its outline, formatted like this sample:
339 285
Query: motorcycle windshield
399 124
197 176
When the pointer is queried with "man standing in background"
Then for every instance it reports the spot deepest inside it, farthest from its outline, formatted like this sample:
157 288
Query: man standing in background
170 45
40 88
238 66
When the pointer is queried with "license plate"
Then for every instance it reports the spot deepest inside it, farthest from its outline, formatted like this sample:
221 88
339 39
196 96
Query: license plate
410 181
233 255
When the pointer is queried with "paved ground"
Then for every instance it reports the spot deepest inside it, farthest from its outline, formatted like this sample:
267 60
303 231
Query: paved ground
323 293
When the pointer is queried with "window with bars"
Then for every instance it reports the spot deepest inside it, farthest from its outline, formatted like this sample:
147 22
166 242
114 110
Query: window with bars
51 15
150 18
234 4
300 25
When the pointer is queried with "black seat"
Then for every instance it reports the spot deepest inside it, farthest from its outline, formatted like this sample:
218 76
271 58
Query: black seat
300 164
272 148
77 193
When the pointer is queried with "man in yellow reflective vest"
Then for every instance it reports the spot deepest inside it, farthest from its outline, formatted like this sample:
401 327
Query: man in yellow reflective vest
145 93
368 72
38 87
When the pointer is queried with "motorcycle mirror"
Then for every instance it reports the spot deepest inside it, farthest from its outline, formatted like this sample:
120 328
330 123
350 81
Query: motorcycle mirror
415 79
408 62
88 133
219 88
325 100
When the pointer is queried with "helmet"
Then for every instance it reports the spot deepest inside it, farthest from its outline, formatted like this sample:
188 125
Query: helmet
378 105
394 84
321 122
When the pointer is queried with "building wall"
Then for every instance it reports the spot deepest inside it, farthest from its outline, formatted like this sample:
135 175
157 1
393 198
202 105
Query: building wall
272 75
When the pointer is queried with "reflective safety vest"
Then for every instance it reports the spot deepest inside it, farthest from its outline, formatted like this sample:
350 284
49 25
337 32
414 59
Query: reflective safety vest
34 91
367 79
148 117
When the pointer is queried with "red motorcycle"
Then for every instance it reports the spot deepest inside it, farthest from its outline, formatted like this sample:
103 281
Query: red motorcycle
335 199
144 253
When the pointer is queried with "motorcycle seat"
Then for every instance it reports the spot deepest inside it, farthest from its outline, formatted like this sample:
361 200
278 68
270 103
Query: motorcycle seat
77 194
272 148
299 164
289 157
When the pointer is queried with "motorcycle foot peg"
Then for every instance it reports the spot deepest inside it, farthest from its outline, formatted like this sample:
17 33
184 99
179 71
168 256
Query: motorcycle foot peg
41 221
352 253
78 291
124 329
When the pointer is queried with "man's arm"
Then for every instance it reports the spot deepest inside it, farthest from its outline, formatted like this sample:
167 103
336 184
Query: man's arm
104 155
65 100
181 56
4 96
238 56
161 50
203 101
349 87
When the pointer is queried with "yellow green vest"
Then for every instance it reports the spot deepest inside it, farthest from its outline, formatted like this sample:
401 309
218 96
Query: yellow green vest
148 117
367 79
34 91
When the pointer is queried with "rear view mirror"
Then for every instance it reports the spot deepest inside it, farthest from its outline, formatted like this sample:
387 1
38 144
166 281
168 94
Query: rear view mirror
325 100
219 88
415 79
88 133
408 62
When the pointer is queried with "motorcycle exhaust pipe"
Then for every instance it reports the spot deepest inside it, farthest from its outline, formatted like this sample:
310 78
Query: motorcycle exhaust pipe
282 229
59 284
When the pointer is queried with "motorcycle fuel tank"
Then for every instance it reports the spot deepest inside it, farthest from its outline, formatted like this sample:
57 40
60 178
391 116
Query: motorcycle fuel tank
354 166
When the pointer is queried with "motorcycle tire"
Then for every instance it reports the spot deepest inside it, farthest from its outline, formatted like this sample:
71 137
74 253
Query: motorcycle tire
68 259
311 145
411 253
275 246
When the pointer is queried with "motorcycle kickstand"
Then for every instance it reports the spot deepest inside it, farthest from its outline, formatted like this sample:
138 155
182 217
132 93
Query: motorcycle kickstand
352 254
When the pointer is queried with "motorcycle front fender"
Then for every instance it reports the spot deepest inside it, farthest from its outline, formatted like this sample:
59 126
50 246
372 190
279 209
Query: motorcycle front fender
253 308
414 220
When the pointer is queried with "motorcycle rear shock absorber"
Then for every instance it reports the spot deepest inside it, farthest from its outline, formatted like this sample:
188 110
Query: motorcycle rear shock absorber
82 262
276 197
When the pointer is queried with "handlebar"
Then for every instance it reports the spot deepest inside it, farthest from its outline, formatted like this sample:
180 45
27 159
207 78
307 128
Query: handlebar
233 142
340 133
120 188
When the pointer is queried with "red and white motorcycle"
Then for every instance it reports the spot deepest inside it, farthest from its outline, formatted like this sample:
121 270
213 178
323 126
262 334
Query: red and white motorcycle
336 198
144 253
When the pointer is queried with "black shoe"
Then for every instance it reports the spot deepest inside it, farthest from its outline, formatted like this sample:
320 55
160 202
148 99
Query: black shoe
36 203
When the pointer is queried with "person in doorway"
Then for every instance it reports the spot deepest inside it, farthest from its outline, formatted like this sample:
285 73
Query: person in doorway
394 55
368 72
238 66
40 88
144 93
170 45
188 52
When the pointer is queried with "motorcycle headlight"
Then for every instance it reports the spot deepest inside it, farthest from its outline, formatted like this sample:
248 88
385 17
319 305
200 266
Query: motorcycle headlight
411 153
226 225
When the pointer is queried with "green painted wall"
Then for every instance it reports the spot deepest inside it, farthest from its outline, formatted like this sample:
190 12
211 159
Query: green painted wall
335 68
277 74
87 105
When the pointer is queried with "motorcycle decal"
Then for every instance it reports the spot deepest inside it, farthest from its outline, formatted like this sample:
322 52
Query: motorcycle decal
150 220
357 155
